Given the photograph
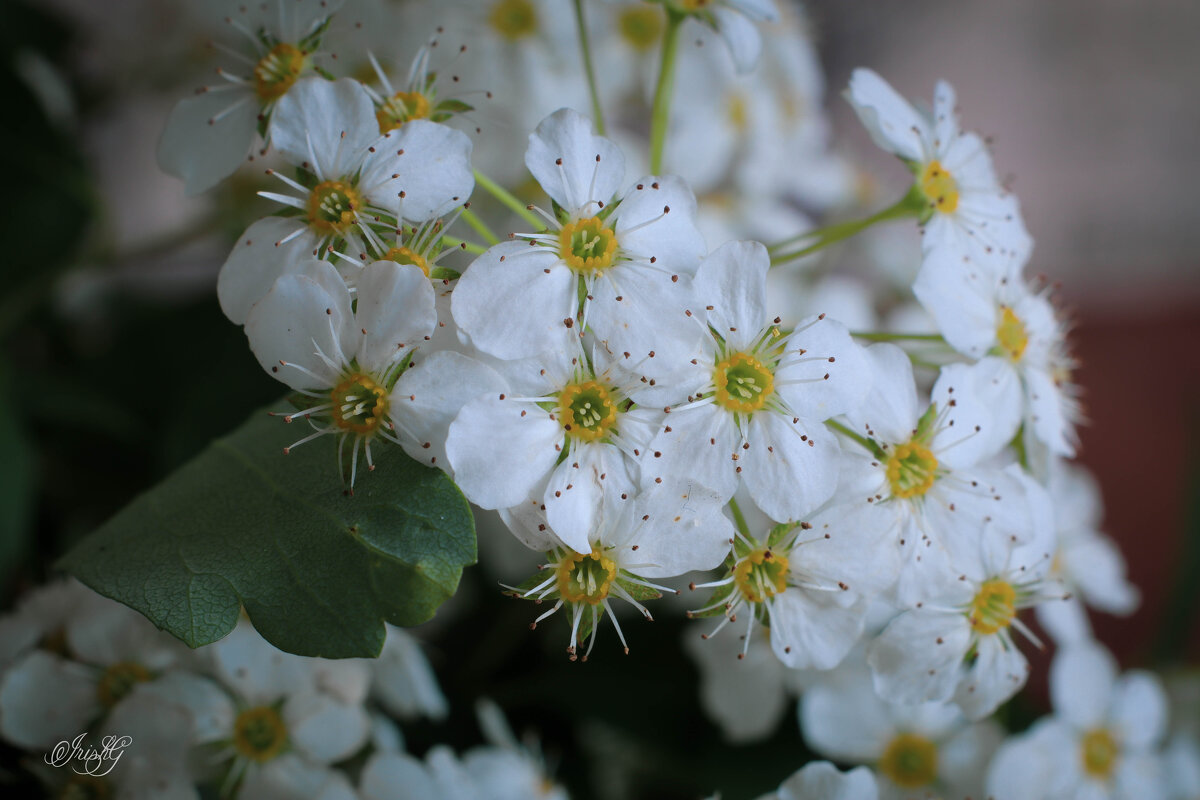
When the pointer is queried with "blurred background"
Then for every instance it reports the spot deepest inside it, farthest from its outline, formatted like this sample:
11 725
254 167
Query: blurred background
116 364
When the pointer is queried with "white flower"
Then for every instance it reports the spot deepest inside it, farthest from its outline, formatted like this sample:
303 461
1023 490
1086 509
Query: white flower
46 697
1087 562
288 718
745 690
759 396
1019 343
1101 742
402 680
633 258
916 751
666 531
809 584
305 334
915 476
207 136
503 770
736 21
565 434
361 180
971 220
41 618
958 644
820 780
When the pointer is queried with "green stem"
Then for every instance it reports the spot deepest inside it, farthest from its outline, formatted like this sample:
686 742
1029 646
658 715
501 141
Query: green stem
512 203
739 520
661 113
898 337
470 247
479 226
586 50
911 205
869 444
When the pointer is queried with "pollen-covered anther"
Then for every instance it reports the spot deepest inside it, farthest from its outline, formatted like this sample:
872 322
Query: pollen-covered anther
259 734
587 411
359 404
406 257
1012 335
910 761
761 575
587 246
401 108
911 470
331 206
585 578
939 187
1099 751
275 72
743 383
994 607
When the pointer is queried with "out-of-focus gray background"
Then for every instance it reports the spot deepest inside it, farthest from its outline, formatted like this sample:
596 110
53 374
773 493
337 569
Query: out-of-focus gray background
1094 109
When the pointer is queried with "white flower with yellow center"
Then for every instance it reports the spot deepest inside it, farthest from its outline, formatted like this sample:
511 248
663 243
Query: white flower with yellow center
758 396
567 434
362 184
207 136
666 531
80 670
618 267
355 365
958 644
1019 342
925 750
808 584
280 721
1102 741
417 99
969 215
916 474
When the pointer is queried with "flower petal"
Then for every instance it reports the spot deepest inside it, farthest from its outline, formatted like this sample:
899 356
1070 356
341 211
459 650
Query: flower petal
574 165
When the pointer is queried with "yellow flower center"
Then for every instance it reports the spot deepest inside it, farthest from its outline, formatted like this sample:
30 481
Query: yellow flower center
994 607
939 187
910 761
1100 752
743 383
331 206
585 578
403 255
400 108
278 70
911 470
1011 334
739 115
761 575
587 246
587 411
514 19
119 680
359 404
259 734
640 25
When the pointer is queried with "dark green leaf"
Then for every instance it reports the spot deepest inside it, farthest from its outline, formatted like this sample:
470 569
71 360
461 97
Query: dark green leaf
317 569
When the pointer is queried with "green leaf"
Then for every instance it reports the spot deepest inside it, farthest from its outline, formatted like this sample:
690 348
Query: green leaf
317 569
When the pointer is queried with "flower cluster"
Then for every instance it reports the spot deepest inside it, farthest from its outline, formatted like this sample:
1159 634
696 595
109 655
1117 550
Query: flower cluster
642 390
239 717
